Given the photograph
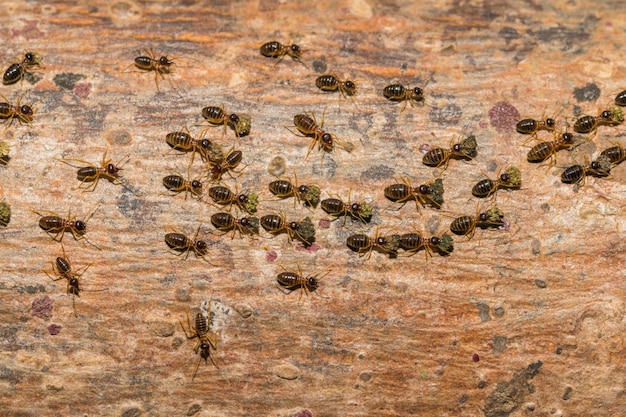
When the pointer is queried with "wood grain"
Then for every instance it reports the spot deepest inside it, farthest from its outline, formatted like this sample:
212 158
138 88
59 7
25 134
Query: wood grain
542 304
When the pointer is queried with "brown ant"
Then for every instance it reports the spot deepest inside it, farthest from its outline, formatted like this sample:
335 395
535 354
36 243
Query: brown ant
92 174
149 62
430 193
290 281
276 49
180 243
16 71
206 338
63 269
225 222
303 230
23 112
53 224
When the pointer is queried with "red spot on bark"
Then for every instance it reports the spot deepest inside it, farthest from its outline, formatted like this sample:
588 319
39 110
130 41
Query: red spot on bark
54 329
271 255
42 307
82 90
475 357
503 116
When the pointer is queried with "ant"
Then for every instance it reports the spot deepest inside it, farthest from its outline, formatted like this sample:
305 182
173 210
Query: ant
183 141
63 269
277 223
466 225
180 243
16 71
228 164
160 66
218 116
398 92
544 150
276 49
225 222
414 242
307 125
364 245
23 112
436 157
224 196
53 224
431 193
512 179
359 211
206 338
576 174
290 281
309 194
331 83
615 154
92 173
589 124
177 184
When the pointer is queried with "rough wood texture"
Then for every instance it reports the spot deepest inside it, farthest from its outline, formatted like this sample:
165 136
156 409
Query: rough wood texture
542 304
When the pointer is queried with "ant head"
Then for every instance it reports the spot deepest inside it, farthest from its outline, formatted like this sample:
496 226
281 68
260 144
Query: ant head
244 221
233 118
606 114
327 141
434 240
417 93
483 217
303 188
74 286
424 189
355 207
165 61
567 137
80 227
112 169
295 50
457 147
26 110
595 165
206 144
550 122
30 56
196 185
312 283
201 247
242 198
350 86
505 177
294 225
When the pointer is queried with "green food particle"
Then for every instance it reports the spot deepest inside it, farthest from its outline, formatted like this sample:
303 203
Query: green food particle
253 224
515 177
253 202
446 243
617 115
5 213
436 191
216 154
4 149
494 214
306 231
242 127
469 146
312 196
392 243
366 211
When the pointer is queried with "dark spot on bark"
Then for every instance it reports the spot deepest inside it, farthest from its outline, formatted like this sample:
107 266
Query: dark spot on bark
67 80
319 66
499 344
194 409
498 311
568 393
446 115
540 283
483 312
377 173
508 34
590 92
508 396
54 329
